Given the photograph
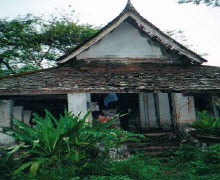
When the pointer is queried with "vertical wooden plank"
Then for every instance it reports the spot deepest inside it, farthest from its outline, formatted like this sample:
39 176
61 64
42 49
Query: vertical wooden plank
184 109
215 104
27 117
18 113
151 107
163 110
143 111
88 101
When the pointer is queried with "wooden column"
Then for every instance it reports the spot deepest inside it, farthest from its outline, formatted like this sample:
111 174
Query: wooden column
88 102
143 111
151 107
216 104
163 111
184 109
148 118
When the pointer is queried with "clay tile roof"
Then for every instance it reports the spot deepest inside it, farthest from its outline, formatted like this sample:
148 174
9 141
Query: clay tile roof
114 78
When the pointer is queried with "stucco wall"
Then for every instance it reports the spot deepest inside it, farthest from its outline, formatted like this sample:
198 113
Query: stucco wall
125 41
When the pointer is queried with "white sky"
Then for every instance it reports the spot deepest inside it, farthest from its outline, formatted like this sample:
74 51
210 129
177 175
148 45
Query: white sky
201 24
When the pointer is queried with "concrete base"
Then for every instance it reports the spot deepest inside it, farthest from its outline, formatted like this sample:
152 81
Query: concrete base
163 111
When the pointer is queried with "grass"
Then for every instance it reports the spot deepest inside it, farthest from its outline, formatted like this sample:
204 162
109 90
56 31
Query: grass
187 162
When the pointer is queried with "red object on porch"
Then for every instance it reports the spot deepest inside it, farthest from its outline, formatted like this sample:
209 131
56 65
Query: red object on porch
104 119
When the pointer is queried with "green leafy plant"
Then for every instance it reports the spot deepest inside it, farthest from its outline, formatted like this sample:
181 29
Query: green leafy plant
207 124
7 165
194 162
107 178
69 140
137 167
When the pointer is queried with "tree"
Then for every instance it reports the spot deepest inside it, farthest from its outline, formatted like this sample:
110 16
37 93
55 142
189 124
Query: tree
28 43
215 3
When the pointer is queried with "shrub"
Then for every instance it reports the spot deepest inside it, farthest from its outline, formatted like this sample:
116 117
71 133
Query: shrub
57 143
137 167
6 165
107 178
207 124
195 162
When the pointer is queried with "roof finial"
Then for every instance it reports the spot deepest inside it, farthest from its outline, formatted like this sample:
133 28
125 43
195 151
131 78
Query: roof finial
129 5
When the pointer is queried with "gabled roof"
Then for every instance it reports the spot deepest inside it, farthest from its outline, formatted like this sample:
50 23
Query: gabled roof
145 27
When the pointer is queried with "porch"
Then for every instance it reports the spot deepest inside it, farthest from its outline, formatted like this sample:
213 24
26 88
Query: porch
142 111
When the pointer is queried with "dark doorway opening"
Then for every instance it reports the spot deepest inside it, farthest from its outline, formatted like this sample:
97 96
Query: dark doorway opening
126 105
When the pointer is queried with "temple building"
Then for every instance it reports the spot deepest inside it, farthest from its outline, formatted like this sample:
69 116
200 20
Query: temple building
129 66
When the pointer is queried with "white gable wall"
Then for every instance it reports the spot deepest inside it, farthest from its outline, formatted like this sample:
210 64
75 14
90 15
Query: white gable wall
124 42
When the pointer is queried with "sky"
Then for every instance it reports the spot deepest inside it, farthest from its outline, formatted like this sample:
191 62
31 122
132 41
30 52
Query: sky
201 24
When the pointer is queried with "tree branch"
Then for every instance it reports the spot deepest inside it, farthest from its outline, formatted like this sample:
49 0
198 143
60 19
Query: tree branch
7 65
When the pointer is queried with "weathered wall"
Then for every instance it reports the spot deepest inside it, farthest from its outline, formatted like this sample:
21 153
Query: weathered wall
6 110
78 103
125 41
184 108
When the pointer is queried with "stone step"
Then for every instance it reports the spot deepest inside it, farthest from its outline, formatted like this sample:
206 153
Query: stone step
153 154
162 141
158 134
152 148
139 145
157 148
155 144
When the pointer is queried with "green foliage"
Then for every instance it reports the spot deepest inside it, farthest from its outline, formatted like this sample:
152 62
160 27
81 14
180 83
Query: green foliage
193 162
6 165
30 42
207 124
137 167
188 162
69 140
214 3
67 149
107 178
